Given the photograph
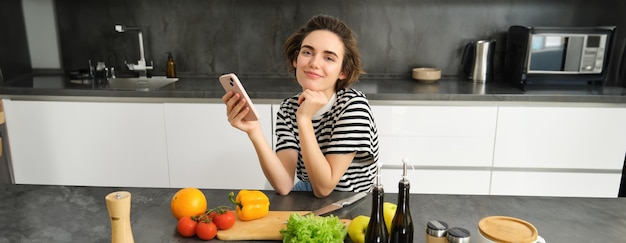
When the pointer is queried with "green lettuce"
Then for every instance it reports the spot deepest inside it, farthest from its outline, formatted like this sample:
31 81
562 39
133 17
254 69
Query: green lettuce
309 228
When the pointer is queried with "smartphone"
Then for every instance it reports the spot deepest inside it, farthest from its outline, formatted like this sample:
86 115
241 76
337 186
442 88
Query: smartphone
230 82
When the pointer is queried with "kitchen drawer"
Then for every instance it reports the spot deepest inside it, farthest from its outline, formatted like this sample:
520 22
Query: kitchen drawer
436 135
435 121
436 151
561 137
555 184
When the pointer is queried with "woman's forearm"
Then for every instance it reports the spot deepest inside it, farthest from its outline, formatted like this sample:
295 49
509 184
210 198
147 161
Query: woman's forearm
317 167
279 176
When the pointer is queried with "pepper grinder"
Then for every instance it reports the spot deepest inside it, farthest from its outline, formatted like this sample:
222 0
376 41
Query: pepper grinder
118 204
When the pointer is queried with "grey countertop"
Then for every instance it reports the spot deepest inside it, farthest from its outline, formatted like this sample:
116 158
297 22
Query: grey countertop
37 213
271 90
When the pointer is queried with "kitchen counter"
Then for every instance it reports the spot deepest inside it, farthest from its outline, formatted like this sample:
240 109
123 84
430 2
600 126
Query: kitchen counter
271 90
33 213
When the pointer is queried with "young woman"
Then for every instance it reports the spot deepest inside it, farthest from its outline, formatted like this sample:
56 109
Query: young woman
326 134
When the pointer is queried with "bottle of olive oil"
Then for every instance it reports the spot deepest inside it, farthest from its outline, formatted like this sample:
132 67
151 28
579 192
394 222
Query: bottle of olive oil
376 229
170 71
402 224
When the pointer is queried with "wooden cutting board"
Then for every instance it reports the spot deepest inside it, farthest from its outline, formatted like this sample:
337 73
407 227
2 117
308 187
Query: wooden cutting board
266 228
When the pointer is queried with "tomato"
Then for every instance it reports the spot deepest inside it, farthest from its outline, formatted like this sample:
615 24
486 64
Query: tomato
205 217
224 219
187 226
206 231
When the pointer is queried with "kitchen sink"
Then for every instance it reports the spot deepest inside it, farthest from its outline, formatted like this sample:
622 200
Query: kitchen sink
145 84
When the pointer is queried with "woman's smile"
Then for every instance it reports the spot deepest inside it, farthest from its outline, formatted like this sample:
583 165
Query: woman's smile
312 75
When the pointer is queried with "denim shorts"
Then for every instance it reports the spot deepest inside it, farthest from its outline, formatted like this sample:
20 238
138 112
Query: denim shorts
303 186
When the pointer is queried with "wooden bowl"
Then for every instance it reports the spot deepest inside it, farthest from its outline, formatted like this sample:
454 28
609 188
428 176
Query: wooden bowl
426 75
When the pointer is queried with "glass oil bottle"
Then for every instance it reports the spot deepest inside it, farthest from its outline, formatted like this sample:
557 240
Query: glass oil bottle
402 224
170 71
376 229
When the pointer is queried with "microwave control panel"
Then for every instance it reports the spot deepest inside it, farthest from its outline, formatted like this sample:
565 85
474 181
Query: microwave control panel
593 54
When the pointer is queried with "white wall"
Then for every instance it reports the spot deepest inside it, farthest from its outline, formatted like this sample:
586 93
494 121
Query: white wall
41 32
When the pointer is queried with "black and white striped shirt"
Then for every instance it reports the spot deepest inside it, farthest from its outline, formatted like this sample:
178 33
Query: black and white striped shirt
348 126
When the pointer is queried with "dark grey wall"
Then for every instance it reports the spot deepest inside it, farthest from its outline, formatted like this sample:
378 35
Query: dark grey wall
14 55
210 37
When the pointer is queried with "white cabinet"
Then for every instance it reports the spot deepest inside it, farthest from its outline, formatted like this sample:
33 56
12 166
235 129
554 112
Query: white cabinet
87 143
439 181
561 137
60 143
555 184
559 151
138 153
436 135
205 151
450 148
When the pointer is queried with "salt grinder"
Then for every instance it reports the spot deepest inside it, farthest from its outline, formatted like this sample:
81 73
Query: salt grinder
436 231
118 204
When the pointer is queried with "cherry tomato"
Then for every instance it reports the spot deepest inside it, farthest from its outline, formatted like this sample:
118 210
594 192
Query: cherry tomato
206 231
203 217
187 226
224 219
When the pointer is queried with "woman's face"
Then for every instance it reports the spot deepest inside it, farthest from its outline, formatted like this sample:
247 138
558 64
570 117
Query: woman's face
319 61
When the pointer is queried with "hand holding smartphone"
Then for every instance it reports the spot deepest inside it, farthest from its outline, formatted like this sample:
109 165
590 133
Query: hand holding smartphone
230 82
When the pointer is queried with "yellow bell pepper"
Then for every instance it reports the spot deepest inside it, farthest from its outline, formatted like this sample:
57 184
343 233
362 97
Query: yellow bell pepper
250 204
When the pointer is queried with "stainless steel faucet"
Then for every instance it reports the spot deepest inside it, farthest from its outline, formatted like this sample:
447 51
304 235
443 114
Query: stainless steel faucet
141 66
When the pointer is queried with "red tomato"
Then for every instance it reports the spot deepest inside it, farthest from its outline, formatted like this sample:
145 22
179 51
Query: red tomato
186 226
224 219
203 217
212 214
206 231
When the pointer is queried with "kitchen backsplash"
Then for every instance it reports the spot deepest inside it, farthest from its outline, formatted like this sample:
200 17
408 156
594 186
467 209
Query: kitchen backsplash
14 58
211 37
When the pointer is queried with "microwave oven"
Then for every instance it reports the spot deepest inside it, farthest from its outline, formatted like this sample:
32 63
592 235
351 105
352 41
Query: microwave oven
557 55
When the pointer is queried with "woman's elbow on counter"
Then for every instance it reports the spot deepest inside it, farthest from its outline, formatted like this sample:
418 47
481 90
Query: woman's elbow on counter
321 193
283 191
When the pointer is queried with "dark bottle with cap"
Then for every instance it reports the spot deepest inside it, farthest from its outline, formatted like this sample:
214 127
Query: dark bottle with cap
402 224
170 72
376 229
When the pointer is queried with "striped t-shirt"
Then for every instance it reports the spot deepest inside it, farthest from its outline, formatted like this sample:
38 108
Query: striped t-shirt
348 126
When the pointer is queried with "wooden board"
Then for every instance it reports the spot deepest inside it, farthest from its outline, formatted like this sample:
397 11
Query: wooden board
266 228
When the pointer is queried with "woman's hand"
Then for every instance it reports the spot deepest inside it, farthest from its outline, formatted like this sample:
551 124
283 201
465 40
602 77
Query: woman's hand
310 102
236 110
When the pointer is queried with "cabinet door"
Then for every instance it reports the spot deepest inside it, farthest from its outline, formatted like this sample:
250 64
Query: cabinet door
138 148
59 143
436 135
204 151
561 137
555 184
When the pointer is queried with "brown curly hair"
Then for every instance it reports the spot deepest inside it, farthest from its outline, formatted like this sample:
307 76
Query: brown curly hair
351 65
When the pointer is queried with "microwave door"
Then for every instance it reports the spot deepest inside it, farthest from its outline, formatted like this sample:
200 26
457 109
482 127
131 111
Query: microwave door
555 54
573 55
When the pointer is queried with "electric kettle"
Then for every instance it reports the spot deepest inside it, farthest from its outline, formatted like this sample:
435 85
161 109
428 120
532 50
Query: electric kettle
478 60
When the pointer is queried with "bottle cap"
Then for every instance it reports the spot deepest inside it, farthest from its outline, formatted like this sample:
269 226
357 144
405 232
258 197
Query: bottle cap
436 228
458 235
